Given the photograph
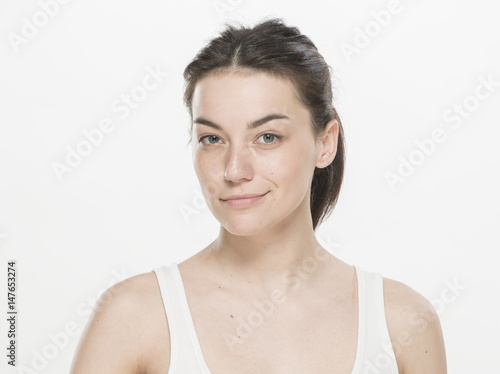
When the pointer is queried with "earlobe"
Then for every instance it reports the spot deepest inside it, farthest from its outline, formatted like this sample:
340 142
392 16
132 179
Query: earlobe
325 160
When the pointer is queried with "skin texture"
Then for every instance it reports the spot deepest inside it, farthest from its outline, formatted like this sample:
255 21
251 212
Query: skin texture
256 252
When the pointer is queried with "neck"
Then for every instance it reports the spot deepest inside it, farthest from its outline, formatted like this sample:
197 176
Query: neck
270 260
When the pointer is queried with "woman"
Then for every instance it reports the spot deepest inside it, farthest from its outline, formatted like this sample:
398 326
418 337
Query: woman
264 297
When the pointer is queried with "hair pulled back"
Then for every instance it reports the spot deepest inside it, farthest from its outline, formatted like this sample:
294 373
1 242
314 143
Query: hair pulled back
280 50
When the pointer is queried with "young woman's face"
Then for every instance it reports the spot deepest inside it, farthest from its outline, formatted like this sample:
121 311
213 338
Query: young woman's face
252 137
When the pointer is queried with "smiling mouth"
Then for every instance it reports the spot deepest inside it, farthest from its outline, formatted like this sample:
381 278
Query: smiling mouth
243 196
243 201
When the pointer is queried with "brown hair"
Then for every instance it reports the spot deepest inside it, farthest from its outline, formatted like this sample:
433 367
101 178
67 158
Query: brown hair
280 50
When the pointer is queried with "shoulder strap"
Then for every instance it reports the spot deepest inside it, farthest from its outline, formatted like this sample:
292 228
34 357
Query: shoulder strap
375 353
185 351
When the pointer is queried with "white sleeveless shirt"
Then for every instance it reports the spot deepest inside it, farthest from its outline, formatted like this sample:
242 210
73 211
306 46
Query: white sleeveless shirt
374 354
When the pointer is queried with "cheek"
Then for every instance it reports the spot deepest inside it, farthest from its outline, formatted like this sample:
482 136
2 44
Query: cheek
204 164
291 165
208 172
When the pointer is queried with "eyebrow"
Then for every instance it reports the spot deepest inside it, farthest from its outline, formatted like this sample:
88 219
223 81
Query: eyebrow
251 125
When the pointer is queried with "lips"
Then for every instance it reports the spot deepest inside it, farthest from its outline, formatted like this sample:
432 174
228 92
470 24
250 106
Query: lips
243 196
243 201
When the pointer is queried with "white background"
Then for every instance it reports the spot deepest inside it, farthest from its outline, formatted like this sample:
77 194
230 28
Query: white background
118 213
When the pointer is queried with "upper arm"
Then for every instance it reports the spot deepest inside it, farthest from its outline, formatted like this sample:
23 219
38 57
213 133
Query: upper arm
414 329
112 341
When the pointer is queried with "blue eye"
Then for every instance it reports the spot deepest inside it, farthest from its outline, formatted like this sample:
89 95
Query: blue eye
269 138
212 139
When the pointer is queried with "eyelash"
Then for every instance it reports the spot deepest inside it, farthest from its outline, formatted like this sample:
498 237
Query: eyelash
278 138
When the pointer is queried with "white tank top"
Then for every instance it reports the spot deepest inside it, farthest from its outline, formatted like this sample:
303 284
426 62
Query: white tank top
374 354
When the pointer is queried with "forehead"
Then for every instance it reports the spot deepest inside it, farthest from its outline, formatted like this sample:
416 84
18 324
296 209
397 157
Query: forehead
245 93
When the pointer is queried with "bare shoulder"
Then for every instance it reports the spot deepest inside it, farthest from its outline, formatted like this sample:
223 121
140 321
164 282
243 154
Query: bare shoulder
415 330
126 330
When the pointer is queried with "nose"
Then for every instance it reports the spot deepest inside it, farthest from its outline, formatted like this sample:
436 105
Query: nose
238 165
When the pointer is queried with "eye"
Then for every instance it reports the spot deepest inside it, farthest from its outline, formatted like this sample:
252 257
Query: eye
212 139
269 138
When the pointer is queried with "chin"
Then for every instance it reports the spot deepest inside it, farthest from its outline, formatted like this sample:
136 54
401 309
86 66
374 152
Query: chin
244 225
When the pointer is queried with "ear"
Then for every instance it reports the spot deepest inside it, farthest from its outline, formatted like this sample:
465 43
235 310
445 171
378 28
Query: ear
327 144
